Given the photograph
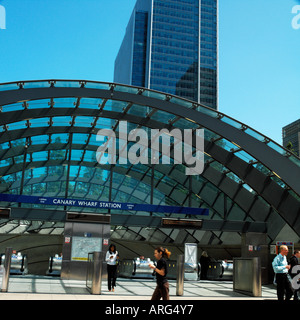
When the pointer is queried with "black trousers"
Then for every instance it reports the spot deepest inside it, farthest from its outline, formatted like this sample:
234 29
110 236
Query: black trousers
283 287
111 276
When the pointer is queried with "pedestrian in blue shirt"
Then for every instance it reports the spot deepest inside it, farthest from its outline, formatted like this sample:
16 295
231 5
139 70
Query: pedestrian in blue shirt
281 268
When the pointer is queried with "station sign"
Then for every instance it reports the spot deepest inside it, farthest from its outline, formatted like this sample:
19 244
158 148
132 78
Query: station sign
102 204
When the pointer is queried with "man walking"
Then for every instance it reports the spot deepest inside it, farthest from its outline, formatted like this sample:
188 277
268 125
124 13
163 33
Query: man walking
281 268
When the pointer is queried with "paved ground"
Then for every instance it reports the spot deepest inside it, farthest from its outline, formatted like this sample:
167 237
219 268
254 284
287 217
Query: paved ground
47 288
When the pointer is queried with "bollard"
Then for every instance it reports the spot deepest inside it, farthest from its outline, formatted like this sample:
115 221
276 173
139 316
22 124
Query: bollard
6 269
94 272
97 277
180 275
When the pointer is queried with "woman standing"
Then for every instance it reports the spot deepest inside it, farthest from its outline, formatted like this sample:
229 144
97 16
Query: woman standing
111 258
161 269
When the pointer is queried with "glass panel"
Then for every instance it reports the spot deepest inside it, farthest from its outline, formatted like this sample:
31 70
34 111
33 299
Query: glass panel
36 104
87 172
83 121
120 196
4 145
255 134
40 122
207 111
184 103
62 121
12 107
74 171
40 156
185 124
20 159
39 139
116 106
295 160
17 125
163 116
39 188
67 84
4 163
278 181
126 89
276 147
227 145
39 172
57 154
80 138
97 85
60 138
262 168
36 84
90 156
232 122
9 86
153 94
138 110
65 102
105 123
90 103
18 142
208 135
76 155
244 156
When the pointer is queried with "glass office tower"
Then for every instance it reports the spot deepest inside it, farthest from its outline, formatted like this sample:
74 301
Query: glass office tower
172 46
291 137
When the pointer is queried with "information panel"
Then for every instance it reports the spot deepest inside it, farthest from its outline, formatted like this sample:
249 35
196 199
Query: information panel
81 246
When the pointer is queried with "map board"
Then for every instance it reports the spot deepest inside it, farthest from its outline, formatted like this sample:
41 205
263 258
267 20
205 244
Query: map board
82 246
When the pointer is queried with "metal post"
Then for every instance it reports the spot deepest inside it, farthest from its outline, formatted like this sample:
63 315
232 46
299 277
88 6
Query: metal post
6 271
69 166
180 275
94 272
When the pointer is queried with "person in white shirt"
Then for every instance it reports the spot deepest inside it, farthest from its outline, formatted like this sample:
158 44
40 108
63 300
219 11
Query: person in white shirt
111 259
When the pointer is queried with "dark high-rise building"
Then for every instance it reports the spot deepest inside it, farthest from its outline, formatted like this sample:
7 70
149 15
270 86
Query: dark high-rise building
291 137
172 46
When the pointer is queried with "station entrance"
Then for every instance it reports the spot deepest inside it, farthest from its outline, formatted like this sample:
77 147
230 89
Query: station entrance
64 253
76 234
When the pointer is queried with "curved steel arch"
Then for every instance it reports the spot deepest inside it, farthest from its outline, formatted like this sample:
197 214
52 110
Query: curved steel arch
278 197
212 174
263 185
279 164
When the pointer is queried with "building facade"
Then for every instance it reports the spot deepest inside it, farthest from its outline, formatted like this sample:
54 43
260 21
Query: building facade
291 137
172 46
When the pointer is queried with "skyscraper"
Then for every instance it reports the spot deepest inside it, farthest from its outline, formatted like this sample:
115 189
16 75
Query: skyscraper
291 137
172 46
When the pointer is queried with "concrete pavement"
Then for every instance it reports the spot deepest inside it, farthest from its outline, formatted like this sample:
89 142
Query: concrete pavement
48 288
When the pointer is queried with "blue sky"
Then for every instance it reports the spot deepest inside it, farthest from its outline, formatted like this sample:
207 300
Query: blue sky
259 64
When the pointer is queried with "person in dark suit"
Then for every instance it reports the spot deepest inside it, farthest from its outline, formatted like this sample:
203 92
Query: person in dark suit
294 260
204 262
